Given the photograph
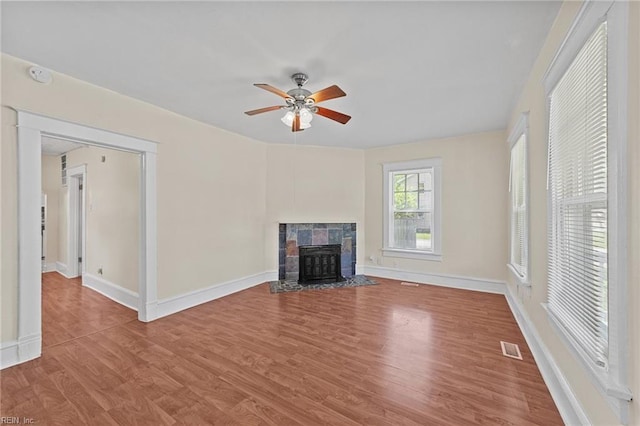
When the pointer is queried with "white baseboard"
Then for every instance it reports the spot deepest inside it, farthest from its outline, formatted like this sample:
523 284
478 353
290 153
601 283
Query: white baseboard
50 267
9 354
570 409
174 304
18 351
113 291
270 276
61 268
443 280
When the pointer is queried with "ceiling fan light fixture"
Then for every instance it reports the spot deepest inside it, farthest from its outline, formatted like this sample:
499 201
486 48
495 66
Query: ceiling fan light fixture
288 119
305 118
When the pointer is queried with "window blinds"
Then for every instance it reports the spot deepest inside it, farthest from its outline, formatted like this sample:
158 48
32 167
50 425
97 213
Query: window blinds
577 235
519 231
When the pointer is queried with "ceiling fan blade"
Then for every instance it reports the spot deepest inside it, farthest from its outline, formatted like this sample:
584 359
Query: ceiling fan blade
333 115
330 92
295 126
272 89
261 110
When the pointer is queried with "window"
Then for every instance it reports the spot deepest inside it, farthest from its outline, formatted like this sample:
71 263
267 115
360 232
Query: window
519 243
587 86
578 195
412 206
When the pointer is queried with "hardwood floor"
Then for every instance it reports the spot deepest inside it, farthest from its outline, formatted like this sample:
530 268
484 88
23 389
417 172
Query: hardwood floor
70 311
376 355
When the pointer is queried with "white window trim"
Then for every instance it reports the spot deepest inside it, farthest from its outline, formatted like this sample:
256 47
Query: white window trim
612 383
521 128
436 253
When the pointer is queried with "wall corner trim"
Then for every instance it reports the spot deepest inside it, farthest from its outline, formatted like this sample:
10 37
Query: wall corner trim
178 303
113 291
61 268
570 409
442 280
148 312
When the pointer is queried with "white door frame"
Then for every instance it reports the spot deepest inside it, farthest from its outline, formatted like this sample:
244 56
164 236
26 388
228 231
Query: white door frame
31 128
73 221
43 203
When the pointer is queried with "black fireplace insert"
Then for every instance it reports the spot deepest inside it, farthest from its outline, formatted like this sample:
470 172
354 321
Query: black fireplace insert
320 264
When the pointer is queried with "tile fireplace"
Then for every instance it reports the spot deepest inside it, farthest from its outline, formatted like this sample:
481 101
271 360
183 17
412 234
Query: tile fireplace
293 236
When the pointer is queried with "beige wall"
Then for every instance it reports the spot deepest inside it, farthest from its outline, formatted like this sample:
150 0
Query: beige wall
474 200
51 180
312 184
112 213
533 100
211 185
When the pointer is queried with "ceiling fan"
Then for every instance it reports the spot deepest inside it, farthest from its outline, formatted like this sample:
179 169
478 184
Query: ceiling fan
301 104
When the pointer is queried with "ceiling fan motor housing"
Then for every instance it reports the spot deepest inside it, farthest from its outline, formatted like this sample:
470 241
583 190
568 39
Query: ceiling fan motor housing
300 78
299 94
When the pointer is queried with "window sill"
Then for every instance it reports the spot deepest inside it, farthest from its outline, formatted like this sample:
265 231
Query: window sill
601 378
412 254
522 281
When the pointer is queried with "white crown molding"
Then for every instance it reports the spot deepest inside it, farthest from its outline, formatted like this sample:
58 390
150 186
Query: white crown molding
570 409
113 291
442 280
178 303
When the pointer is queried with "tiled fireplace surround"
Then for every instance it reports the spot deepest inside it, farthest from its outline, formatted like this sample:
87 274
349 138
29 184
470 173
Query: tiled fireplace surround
293 235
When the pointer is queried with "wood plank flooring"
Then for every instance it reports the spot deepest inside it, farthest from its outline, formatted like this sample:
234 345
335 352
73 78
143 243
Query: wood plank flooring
376 355
70 311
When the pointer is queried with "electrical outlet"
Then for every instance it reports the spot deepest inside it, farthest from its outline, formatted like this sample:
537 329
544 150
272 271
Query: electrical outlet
372 258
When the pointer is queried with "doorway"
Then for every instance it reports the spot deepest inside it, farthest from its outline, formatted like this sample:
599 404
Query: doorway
31 128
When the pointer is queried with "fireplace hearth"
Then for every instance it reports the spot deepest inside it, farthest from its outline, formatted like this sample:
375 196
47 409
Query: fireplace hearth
320 264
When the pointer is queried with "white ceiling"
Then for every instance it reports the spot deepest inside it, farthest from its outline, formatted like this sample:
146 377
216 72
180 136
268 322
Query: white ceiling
55 146
412 71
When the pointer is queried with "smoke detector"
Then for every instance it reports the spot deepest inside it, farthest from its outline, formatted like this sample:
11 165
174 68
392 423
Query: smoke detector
40 75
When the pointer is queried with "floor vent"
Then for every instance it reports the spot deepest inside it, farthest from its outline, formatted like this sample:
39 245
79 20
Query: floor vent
409 284
511 350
